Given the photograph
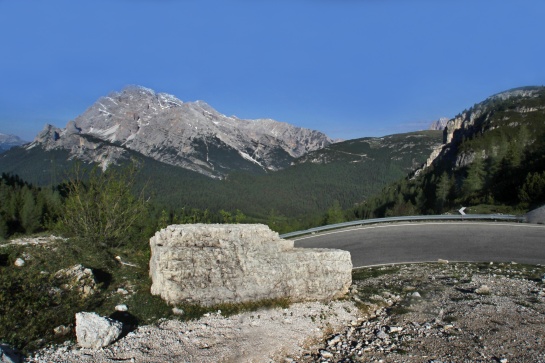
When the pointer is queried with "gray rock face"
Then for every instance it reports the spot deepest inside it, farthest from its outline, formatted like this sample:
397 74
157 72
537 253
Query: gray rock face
188 134
212 264
477 121
94 331
464 124
439 124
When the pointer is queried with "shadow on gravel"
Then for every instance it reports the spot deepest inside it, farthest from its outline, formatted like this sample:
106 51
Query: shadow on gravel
465 291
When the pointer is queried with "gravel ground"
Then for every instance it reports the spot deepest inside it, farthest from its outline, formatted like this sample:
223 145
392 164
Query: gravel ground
441 312
260 336
447 313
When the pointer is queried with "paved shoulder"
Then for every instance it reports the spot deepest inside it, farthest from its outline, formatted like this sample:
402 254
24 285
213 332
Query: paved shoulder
420 242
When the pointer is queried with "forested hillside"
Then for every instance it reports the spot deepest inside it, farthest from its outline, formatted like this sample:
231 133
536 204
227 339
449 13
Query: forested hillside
309 193
493 160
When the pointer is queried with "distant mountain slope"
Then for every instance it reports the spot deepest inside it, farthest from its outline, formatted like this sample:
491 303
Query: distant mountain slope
493 154
409 150
297 196
191 135
9 141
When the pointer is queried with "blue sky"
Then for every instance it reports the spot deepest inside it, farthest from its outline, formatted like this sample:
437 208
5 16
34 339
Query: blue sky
349 68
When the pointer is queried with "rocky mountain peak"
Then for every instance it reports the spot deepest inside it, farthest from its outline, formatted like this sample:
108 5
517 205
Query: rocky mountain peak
192 135
7 141
439 124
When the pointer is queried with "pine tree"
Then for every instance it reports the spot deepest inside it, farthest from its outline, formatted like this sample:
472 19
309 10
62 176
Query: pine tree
442 192
474 181
31 213
335 214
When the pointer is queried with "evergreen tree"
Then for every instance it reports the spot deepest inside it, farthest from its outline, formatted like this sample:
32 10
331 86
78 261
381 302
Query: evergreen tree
31 212
3 227
335 214
475 177
533 189
442 192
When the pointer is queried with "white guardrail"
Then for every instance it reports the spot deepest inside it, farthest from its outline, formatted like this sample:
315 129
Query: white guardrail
489 217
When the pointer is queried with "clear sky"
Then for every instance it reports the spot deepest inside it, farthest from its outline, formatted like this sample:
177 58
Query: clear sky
349 68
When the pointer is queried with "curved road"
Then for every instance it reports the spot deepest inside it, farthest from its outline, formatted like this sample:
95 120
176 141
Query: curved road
422 242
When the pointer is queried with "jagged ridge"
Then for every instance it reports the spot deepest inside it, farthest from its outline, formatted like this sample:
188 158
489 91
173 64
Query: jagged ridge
191 135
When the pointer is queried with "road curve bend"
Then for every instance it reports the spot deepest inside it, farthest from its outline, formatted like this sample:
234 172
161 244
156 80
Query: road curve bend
424 242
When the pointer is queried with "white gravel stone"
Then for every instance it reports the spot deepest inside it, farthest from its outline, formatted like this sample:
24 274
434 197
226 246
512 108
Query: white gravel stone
121 307
19 262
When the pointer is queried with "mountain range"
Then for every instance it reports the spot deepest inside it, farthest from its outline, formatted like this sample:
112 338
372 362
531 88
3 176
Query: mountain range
191 135
9 141
191 156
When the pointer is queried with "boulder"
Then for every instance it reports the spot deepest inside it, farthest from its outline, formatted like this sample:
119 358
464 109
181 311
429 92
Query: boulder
537 216
9 355
232 263
94 331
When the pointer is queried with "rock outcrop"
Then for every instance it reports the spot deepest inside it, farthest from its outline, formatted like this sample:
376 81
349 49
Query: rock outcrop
78 277
439 124
95 332
212 264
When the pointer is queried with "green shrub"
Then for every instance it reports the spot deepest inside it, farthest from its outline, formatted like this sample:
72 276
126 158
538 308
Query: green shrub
101 207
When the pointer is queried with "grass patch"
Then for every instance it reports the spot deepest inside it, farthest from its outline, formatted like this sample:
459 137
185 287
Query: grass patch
371 272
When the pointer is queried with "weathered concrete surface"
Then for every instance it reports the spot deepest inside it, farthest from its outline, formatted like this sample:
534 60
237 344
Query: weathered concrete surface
212 264
537 216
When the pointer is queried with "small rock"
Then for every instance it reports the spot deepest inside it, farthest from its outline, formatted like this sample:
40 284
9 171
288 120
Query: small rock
483 290
121 307
62 330
416 295
334 340
442 261
19 262
177 311
326 354
394 329
122 291
381 334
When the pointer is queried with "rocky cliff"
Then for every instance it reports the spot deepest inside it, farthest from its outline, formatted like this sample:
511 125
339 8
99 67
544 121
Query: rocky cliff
439 124
504 112
191 135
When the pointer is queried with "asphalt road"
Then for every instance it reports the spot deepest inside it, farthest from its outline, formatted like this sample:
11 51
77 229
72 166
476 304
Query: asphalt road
423 242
